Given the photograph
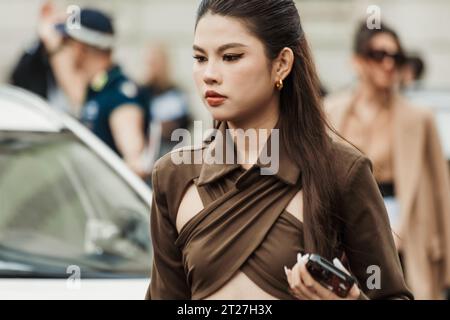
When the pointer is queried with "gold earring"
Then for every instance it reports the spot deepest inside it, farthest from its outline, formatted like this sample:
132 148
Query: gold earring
279 84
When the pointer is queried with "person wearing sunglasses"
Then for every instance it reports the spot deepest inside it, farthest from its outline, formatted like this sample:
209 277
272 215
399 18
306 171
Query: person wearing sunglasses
380 55
402 142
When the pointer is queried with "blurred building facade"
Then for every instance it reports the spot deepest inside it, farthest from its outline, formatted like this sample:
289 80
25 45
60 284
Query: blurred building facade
329 24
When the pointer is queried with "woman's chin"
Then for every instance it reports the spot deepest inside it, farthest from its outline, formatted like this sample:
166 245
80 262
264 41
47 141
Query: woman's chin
221 115
385 83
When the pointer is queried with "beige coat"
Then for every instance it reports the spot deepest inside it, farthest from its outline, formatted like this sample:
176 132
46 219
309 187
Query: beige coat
422 185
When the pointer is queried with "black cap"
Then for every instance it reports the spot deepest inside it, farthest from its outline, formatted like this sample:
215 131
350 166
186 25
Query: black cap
95 28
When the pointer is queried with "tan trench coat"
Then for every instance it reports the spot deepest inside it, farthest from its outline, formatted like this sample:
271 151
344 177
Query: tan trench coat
422 185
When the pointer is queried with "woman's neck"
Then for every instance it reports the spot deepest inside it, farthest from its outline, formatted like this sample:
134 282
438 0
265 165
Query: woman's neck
375 98
249 150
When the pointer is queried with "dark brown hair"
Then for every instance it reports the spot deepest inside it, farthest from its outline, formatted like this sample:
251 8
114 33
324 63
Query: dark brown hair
363 36
303 126
417 64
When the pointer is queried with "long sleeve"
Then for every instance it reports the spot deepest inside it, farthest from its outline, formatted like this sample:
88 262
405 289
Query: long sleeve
168 279
367 238
440 174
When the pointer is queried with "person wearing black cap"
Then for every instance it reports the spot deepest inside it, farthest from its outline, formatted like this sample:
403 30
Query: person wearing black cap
81 57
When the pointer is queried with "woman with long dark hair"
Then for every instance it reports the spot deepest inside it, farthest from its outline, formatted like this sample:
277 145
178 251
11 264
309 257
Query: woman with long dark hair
229 230
403 144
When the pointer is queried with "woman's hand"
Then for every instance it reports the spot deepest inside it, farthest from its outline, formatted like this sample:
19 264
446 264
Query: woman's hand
304 287
46 27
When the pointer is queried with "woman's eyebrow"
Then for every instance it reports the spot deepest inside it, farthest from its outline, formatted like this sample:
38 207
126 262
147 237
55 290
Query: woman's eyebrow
221 48
197 48
230 46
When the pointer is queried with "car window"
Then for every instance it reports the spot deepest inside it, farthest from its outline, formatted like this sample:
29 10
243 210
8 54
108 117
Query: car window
59 202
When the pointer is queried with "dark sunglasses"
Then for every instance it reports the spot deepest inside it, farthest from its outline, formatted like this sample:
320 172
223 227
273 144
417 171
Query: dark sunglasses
380 55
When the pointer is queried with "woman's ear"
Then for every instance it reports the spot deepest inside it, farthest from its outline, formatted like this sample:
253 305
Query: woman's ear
283 63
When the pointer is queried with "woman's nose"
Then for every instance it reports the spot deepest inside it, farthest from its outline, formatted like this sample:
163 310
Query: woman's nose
388 63
212 74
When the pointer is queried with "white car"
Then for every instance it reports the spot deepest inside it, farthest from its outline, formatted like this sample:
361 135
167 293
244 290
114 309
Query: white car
74 220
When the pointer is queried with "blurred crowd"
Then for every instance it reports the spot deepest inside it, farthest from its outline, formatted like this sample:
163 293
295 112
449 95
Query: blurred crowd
72 67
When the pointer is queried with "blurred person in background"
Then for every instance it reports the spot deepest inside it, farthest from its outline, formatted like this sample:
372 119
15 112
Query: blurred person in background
109 103
166 104
33 71
412 73
402 142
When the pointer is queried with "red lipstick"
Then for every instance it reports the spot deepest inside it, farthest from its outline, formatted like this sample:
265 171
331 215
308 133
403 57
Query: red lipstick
214 98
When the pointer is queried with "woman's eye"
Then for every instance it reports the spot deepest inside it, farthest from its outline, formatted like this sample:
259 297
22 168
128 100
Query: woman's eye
232 57
199 58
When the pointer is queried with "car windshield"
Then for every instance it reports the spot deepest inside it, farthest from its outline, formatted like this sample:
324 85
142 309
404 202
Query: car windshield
62 205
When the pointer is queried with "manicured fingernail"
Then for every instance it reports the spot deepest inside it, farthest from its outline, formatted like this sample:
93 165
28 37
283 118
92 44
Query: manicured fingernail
305 258
338 263
299 257
286 270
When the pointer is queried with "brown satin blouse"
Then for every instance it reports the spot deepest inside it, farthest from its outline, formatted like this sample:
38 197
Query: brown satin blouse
245 227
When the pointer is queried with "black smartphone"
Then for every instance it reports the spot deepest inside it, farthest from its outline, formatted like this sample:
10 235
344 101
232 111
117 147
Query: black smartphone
329 276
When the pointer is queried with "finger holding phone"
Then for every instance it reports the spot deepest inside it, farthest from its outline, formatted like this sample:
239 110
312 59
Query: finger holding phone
303 286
